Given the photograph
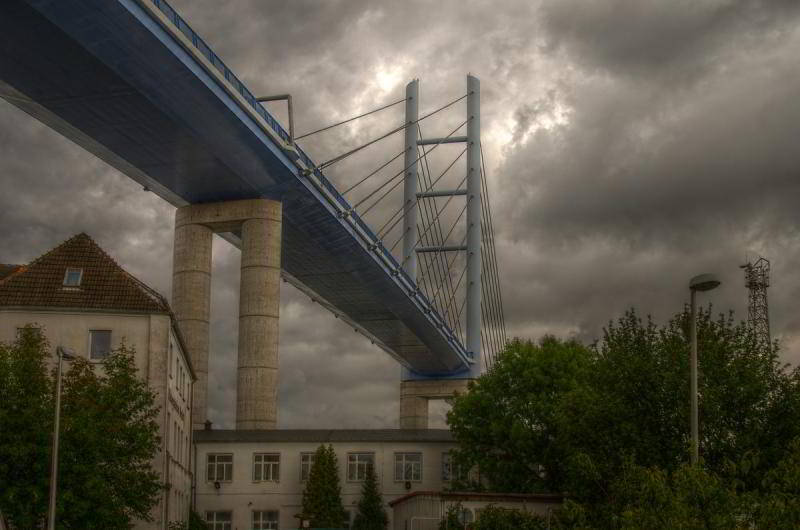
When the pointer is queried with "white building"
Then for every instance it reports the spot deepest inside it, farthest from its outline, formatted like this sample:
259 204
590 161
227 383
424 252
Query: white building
255 479
82 300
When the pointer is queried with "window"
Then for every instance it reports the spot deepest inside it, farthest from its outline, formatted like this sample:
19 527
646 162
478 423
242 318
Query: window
450 470
72 277
357 464
265 520
171 353
219 467
219 520
99 344
306 461
408 466
266 466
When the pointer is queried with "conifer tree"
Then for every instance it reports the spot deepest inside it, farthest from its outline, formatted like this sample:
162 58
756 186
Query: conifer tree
371 515
322 498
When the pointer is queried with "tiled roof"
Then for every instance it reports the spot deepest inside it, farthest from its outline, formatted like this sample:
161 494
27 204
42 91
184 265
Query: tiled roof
325 435
104 284
7 270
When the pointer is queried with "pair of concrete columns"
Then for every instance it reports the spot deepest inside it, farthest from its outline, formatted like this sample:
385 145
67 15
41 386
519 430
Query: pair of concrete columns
259 222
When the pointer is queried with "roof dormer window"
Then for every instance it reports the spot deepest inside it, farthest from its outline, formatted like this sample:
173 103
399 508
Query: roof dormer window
72 277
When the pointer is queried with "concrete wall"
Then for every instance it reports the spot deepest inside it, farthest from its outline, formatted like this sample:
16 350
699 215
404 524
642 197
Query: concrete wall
242 495
157 352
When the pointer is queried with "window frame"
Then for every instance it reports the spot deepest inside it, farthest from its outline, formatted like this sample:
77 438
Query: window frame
309 463
402 455
262 521
67 272
274 467
216 465
213 524
110 344
358 465
454 471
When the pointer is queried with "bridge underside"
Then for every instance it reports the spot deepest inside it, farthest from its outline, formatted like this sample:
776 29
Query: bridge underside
117 81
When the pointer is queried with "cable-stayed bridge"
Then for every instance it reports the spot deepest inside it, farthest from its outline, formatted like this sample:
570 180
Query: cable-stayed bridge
131 82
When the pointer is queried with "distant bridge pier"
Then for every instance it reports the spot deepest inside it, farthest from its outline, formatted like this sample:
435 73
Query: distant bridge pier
259 223
415 395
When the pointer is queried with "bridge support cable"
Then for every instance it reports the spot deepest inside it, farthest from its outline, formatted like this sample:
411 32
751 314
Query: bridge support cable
435 265
397 129
394 177
491 321
351 119
428 207
438 214
416 200
493 252
441 285
354 186
491 301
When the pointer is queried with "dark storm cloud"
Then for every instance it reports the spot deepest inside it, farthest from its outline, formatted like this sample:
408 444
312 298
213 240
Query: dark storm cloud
630 145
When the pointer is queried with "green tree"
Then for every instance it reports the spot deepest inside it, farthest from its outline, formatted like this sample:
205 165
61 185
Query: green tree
559 417
507 423
371 514
108 439
322 497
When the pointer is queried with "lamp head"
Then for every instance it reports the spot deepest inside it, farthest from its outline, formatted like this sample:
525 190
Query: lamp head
704 282
65 353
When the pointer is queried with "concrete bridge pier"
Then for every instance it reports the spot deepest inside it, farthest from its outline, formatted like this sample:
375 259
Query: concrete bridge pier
259 223
416 393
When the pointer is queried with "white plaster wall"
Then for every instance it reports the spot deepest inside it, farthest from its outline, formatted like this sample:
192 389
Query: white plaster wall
71 330
150 336
242 495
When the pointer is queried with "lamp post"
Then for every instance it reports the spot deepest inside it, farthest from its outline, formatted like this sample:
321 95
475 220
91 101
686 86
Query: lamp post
703 282
62 354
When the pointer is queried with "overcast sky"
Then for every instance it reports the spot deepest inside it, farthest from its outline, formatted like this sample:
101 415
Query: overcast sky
630 145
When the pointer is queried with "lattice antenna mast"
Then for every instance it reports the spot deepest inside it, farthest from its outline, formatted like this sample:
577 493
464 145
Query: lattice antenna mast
756 277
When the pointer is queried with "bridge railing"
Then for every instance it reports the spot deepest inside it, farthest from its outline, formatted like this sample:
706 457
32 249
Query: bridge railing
323 181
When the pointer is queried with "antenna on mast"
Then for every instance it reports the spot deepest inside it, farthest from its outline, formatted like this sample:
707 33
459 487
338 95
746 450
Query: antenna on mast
756 279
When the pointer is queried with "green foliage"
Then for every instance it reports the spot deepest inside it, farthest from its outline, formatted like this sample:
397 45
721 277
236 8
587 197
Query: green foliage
507 421
371 514
108 439
689 498
608 425
195 522
451 519
495 518
322 497
779 505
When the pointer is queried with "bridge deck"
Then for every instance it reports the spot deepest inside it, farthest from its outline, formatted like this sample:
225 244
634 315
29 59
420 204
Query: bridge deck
131 82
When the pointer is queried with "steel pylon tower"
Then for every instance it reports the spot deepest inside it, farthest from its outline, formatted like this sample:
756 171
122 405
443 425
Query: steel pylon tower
756 279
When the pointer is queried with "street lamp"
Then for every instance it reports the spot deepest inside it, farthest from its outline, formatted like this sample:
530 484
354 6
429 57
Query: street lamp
703 282
61 353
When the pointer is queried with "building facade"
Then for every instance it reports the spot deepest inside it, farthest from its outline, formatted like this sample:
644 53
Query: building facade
255 479
424 510
83 301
